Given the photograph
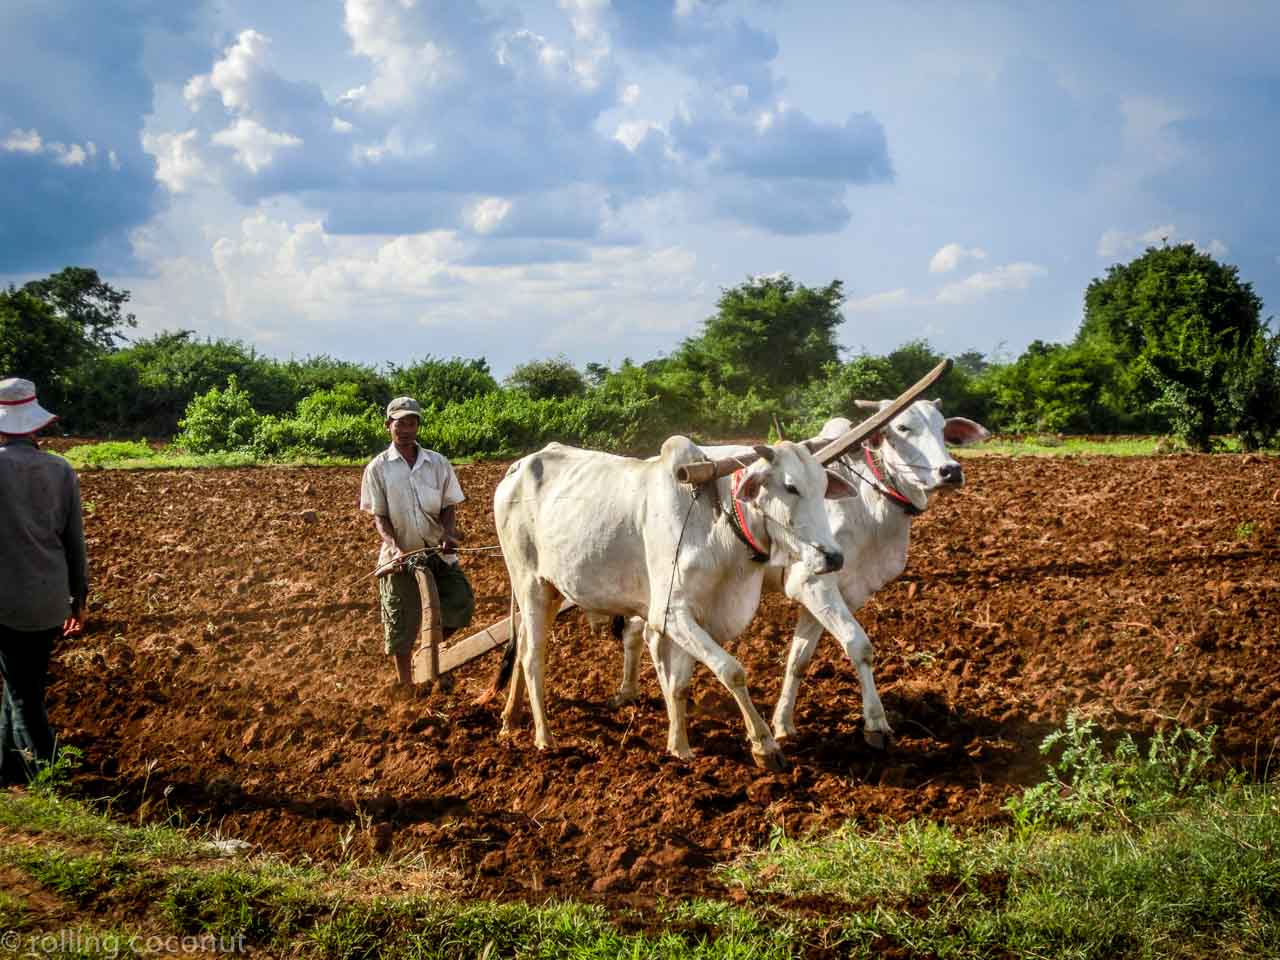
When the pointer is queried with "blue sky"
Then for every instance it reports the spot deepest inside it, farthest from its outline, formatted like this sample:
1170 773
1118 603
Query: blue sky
382 180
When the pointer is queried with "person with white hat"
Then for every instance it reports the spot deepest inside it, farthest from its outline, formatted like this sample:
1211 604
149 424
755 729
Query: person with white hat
46 581
413 493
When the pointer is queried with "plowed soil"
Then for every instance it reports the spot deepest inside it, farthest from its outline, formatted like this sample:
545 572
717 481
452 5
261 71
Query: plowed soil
232 671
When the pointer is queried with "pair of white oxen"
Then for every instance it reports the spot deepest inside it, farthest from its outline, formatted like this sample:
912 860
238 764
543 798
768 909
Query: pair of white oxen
624 538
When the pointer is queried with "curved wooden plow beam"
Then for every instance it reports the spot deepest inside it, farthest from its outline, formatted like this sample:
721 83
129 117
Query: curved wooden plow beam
703 471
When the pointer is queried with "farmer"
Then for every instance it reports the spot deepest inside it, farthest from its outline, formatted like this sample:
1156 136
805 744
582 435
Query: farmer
413 494
46 576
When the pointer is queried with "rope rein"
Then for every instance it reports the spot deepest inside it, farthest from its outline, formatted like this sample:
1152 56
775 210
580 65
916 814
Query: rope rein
675 563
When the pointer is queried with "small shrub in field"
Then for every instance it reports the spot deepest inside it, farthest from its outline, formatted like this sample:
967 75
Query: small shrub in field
511 423
335 422
218 421
437 382
1089 783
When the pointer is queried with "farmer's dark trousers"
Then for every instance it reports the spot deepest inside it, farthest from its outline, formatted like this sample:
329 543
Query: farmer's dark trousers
25 737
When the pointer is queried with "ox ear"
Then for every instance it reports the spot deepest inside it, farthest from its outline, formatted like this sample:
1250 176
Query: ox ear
961 431
838 487
765 453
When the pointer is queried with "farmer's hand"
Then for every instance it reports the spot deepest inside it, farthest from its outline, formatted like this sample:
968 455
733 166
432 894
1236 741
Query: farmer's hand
452 538
74 624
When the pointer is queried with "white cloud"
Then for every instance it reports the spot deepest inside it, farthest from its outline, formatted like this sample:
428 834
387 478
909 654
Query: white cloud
632 134
72 156
341 126
878 301
255 146
1012 276
408 58
272 278
178 162
1149 131
586 17
949 257
1116 243
486 215
64 155
22 141
234 76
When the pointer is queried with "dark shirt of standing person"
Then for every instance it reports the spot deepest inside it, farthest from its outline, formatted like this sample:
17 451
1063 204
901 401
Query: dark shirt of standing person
45 576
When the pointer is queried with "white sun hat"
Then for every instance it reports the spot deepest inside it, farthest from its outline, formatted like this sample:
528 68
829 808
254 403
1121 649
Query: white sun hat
20 414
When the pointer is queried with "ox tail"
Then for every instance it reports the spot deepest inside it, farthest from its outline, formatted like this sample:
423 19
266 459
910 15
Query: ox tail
502 676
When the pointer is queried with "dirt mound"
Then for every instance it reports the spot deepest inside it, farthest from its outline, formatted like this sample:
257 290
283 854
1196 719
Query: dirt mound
232 670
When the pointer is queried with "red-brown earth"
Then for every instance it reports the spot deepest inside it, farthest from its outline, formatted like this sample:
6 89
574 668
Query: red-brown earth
232 672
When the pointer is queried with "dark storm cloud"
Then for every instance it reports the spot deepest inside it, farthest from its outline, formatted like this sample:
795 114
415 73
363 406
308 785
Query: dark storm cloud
74 77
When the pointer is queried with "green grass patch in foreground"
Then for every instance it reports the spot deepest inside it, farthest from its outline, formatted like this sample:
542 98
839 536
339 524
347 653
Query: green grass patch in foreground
1124 851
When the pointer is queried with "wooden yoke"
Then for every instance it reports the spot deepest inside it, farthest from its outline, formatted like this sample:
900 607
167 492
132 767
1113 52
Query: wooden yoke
704 471
837 448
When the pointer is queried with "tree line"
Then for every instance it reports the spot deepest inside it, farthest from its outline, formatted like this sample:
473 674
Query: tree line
1171 343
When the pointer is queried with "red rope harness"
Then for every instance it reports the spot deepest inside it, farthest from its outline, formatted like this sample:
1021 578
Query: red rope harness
884 486
734 483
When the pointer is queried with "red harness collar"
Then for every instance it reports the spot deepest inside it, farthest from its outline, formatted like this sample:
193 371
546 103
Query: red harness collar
884 487
738 518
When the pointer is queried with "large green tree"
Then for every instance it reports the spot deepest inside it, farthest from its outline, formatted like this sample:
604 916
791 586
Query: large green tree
50 326
769 333
1188 338
35 342
78 294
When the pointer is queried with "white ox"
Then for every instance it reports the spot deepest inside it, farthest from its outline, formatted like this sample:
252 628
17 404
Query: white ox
896 474
623 537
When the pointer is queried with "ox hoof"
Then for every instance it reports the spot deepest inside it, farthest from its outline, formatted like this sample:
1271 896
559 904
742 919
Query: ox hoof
620 700
878 739
783 733
773 761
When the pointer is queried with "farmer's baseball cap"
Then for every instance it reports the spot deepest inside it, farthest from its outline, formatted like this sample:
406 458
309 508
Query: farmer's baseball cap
20 414
402 407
